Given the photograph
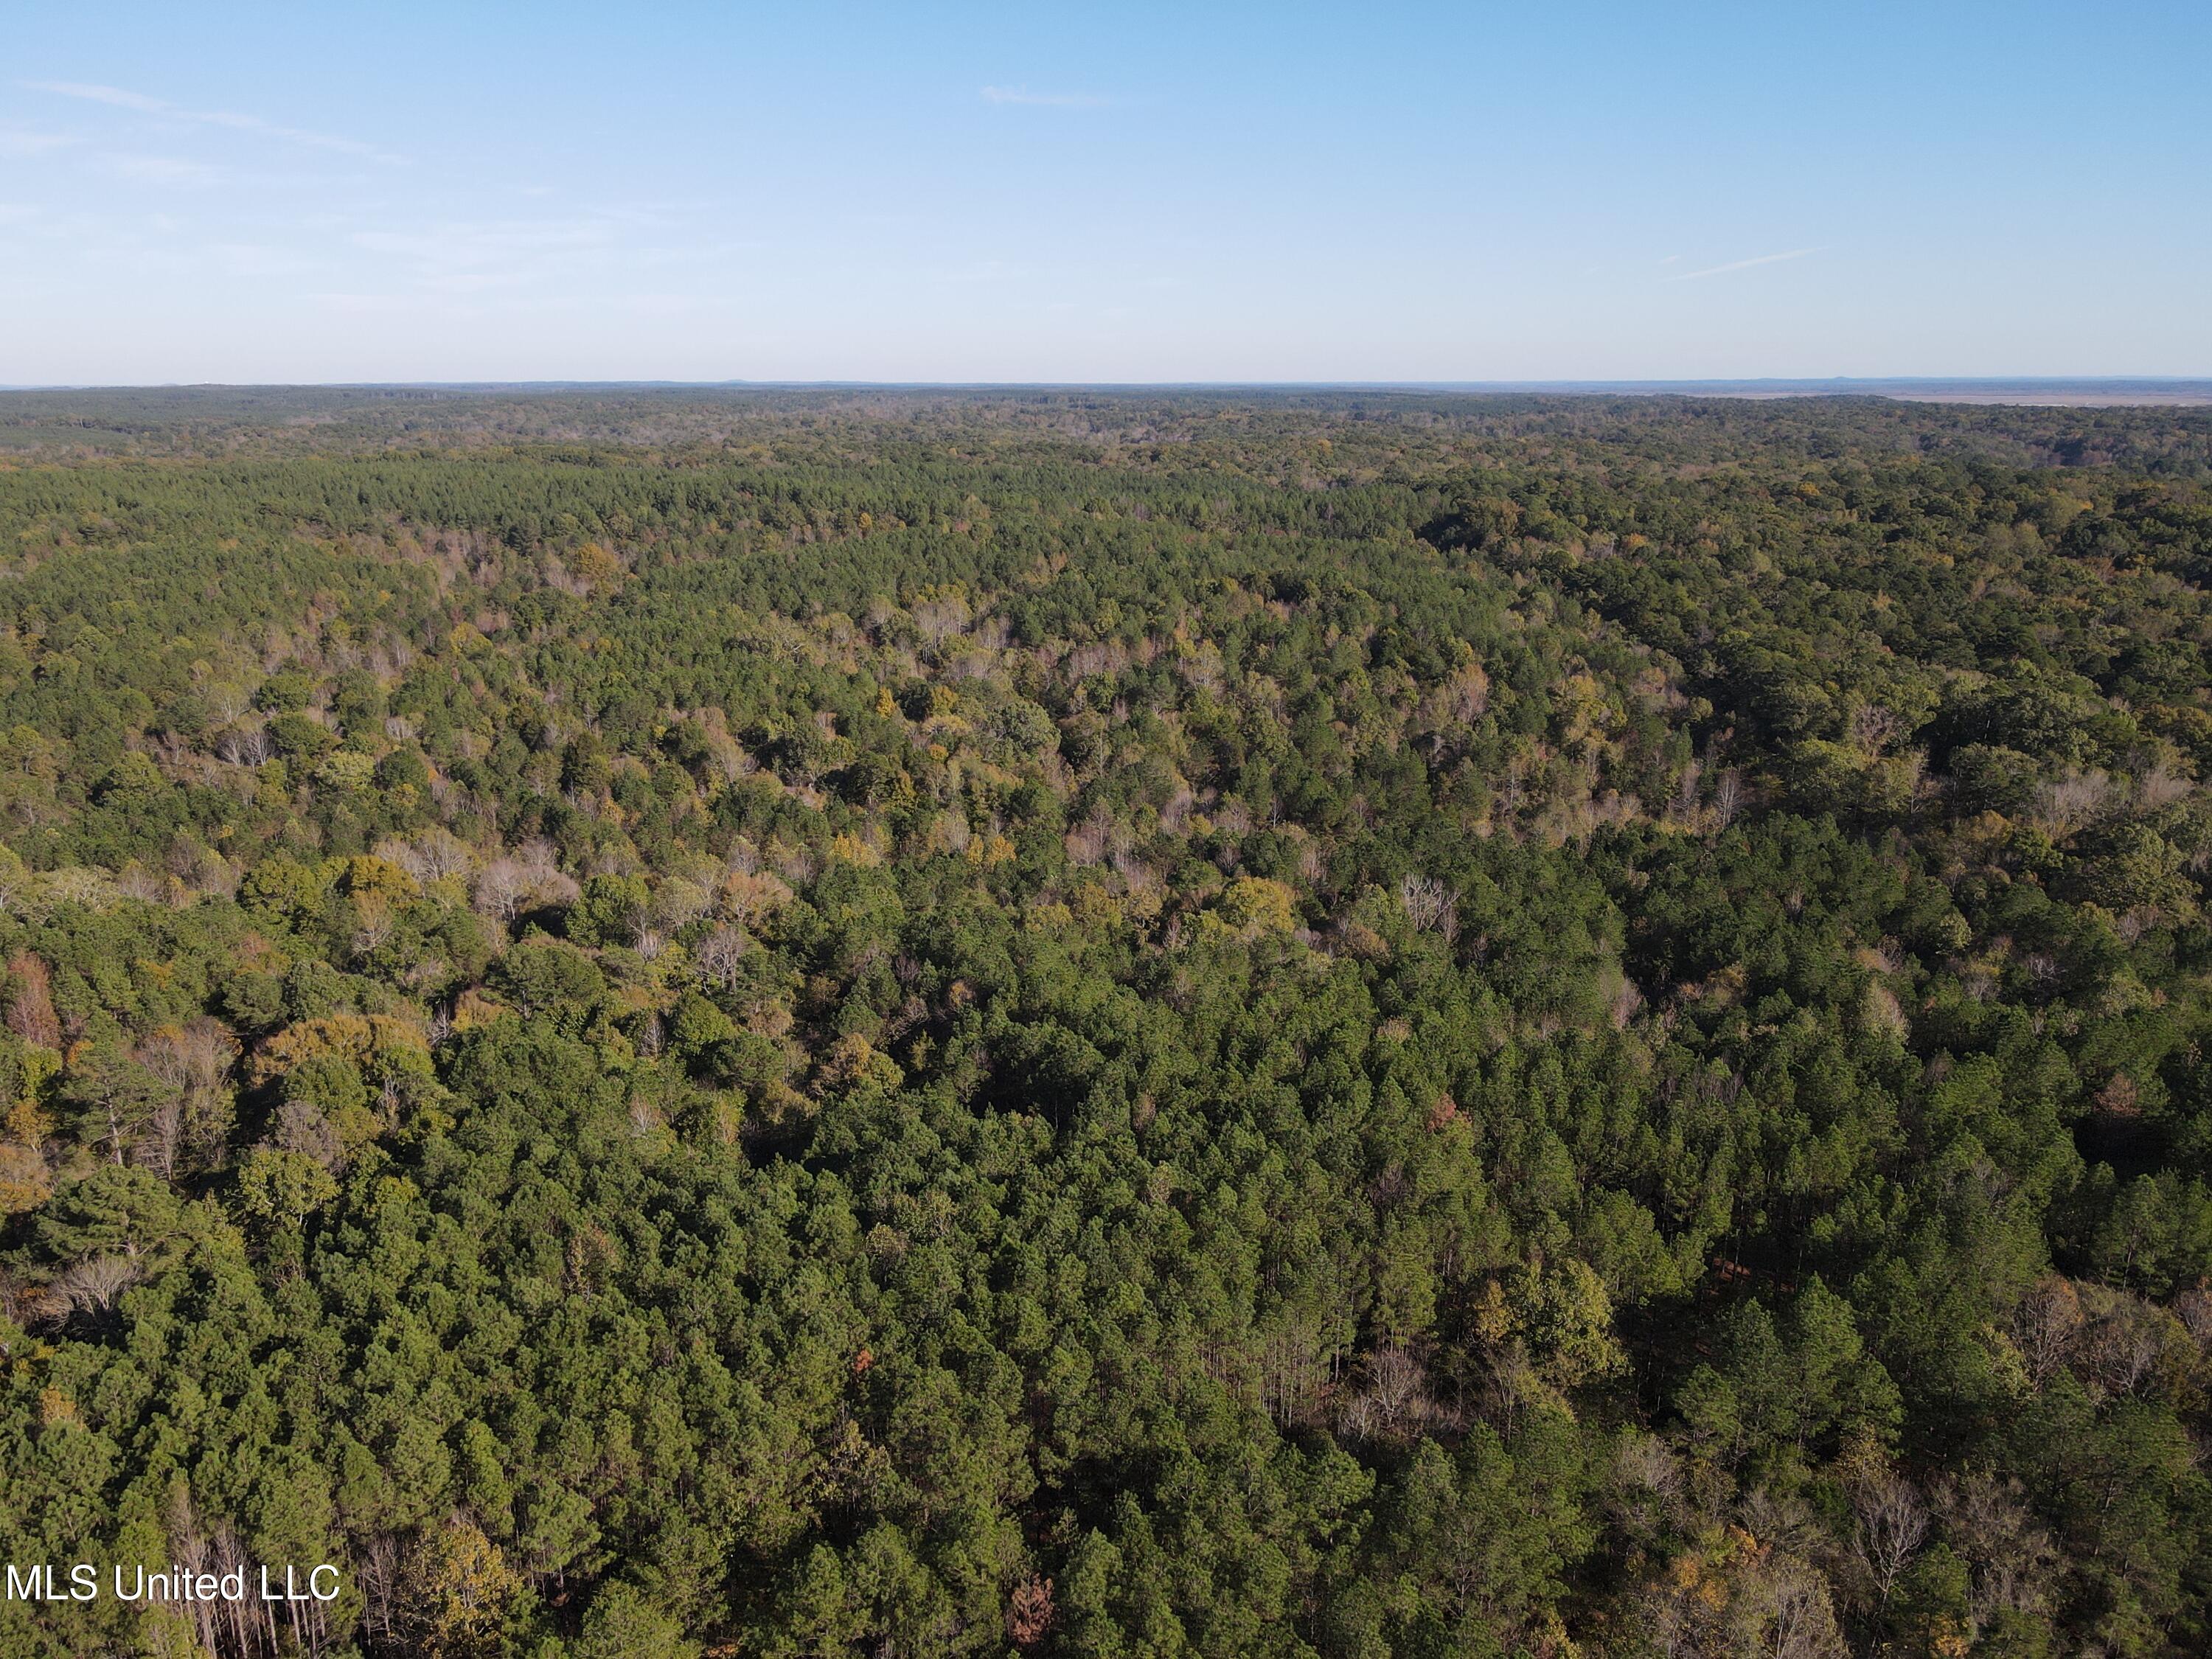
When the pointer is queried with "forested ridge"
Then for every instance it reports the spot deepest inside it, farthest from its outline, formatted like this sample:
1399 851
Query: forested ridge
843 1023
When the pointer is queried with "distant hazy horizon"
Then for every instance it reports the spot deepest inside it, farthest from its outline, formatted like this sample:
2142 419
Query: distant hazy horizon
1151 194
2052 390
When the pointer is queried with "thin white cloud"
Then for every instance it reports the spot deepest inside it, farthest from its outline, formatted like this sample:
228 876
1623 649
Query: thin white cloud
177 171
983 271
369 304
90 94
1043 99
22 141
1742 264
457 258
259 260
121 98
463 245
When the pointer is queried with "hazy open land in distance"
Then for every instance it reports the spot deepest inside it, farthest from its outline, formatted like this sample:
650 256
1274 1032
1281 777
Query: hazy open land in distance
2061 393
649 1022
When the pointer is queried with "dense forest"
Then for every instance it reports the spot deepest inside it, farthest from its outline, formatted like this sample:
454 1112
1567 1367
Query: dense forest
869 1023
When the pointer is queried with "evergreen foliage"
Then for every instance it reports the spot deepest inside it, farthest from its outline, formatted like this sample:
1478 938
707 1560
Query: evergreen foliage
1083 1023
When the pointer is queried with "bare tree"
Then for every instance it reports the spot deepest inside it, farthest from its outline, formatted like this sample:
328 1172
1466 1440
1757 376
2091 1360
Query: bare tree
381 1575
2123 1345
501 888
1728 798
374 923
938 619
302 1128
1988 1519
1872 726
2069 803
2194 1309
509 884
1429 906
748 895
244 746
162 1137
1893 1524
1799 1618
1393 1401
193 1064
1090 842
679 903
719 954
433 855
1684 806
2159 789
89 1287
2045 1326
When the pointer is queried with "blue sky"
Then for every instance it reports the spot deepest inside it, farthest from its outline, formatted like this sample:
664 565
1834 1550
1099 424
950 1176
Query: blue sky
1125 192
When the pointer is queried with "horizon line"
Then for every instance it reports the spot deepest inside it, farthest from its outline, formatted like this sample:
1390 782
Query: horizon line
1552 383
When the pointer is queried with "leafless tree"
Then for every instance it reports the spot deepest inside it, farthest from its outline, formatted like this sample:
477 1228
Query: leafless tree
719 954
2121 1349
90 1286
1645 1494
1893 1524
1429 906
508 884
1872 726
379 1574
1393 1399
1988 1519
2045 1326
2069 803
433 855
2193 1308
2159 789
1728 798
244 746
679 903
938 619
302 1128
373 923
162 1138
1090 842
1797 1612
501 888
1684 806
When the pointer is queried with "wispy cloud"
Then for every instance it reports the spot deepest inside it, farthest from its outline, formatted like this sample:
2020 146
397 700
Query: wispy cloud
464 245
177 171
24 141
983 271
258 260
459 257
1740 264
121 98
1043 99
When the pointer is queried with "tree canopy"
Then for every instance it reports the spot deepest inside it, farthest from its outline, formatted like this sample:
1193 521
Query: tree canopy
1321 1025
